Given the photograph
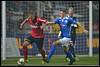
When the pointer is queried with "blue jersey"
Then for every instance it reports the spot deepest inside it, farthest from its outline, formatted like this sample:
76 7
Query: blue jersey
65 25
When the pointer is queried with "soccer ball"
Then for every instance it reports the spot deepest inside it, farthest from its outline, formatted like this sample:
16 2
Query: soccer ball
20 61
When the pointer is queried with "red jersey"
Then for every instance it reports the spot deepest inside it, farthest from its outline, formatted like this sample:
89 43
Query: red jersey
37 32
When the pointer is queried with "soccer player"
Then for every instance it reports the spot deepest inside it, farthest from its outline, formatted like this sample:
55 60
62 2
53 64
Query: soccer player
73 32
36 34
65 27
73 35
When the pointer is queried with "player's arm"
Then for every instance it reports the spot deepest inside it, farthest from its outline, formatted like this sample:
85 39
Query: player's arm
76 24
59 34
29 20
55 21
81 26
43 21
22 24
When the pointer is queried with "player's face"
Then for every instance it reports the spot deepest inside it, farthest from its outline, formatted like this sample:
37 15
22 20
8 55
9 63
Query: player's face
71 12
61 14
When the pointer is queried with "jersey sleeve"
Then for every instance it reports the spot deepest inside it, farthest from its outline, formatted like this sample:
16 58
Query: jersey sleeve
41 20
29 21
75 22
56 20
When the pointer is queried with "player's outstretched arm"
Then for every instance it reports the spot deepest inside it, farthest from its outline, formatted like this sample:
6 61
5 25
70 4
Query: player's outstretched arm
50 22
22 24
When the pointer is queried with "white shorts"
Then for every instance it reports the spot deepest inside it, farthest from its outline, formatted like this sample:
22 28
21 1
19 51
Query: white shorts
65 41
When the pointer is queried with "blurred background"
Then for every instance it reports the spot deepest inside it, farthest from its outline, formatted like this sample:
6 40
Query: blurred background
17 11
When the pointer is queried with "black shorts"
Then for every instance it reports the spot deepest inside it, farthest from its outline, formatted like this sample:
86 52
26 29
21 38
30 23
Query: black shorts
37 41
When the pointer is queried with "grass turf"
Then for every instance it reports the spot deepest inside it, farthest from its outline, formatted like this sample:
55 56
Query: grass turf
55 61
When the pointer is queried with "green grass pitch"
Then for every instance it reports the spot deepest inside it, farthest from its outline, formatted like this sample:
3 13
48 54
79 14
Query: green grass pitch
55 61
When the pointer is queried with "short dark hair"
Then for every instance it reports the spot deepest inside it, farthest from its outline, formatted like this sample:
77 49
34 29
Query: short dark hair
63 10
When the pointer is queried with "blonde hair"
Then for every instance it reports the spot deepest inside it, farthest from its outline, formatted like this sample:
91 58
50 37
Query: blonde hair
71 8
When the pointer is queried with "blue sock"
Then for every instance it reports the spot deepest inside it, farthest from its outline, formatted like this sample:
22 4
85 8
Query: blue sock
69 55
52 50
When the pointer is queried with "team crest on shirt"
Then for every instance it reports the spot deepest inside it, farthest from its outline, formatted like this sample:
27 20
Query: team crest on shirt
66 21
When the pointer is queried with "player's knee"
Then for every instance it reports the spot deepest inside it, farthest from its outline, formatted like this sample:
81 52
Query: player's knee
56 42
66 48
26 43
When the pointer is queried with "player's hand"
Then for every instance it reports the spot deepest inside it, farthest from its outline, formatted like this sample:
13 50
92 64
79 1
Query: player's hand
59 35
85 31
48 22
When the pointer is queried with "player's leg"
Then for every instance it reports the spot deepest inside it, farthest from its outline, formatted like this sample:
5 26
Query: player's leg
73 39
73 44
27 41
52 50
39 43
25 50
72 47
66 50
